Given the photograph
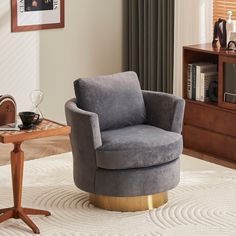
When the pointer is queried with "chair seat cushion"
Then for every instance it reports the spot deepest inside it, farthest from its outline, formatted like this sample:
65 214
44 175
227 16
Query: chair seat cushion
138 146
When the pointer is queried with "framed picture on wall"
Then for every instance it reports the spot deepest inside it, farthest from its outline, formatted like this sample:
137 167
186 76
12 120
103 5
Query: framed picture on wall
27 15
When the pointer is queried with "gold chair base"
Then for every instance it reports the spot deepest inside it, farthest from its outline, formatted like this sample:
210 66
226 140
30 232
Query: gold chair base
128 204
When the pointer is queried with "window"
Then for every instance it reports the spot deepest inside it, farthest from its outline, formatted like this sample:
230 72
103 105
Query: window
220 8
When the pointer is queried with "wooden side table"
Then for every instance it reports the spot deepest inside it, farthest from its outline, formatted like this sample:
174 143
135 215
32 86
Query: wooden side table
45 129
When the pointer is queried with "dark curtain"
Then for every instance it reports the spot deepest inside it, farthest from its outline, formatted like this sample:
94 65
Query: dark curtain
149 42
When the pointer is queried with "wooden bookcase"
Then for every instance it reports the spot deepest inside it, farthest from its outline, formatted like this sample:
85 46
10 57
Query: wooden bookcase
209 128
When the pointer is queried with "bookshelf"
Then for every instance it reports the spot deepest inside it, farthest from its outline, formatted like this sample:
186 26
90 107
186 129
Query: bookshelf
210 127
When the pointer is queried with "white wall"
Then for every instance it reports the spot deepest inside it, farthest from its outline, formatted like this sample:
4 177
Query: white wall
90 44
19 60
193 25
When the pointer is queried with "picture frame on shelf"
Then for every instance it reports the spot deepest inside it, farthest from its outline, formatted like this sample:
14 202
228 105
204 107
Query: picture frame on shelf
29 15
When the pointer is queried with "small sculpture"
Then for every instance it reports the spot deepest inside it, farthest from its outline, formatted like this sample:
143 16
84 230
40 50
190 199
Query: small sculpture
220 33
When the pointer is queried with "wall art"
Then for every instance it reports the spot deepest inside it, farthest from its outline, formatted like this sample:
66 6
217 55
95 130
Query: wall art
30 15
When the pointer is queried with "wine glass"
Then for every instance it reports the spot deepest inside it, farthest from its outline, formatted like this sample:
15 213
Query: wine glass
36 97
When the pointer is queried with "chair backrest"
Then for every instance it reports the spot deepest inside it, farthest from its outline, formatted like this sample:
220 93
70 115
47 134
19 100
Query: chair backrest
117 99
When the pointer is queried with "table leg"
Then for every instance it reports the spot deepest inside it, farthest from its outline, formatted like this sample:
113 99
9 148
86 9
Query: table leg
17 168
6 216
5 210
18 212
28 221
30 211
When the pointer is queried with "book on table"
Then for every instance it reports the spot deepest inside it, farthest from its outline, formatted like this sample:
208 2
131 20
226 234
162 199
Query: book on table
10 127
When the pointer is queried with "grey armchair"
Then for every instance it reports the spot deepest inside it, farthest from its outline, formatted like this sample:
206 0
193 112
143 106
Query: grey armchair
126 143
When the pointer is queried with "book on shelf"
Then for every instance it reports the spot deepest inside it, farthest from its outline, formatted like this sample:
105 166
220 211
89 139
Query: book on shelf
194 78
206 79
189 81
193 74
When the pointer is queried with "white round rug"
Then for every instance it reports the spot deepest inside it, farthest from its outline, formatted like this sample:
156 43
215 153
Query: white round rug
204 204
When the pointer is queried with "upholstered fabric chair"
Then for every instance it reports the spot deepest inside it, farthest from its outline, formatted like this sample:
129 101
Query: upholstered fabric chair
126 142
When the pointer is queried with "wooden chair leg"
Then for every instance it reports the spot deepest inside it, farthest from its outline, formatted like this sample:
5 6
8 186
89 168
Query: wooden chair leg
29 222
7 215
5 210
29 211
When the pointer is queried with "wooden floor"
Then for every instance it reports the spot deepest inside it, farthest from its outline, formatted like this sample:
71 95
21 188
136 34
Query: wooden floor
37 148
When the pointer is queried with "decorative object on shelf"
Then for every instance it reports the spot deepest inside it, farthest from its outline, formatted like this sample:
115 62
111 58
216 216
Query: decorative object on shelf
7 111
213 91
220 34
229 25
36 97
231 28
30 15
231 45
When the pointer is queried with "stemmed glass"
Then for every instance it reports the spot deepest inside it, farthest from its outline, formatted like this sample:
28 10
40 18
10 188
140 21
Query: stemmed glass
36 97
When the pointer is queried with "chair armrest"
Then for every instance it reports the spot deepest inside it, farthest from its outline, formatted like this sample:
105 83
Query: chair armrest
84 125
164 110
85 138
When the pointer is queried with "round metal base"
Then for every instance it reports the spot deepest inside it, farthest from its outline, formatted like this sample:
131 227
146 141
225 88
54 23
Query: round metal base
129 204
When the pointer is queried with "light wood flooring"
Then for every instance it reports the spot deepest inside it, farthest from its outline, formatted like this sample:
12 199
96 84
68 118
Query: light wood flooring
37 148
